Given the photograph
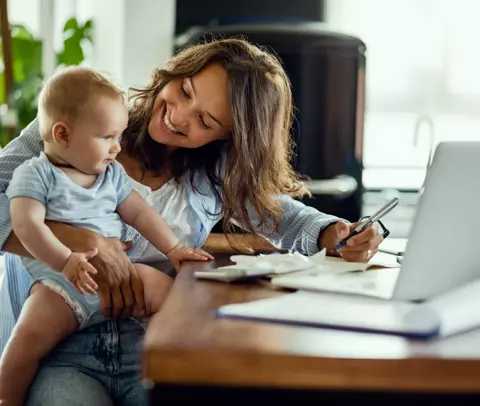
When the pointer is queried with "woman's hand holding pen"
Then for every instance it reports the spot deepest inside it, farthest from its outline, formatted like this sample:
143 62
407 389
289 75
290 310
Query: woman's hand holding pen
357 242
359 248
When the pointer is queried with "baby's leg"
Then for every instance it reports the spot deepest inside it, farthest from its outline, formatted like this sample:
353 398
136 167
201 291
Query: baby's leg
156 286
45 320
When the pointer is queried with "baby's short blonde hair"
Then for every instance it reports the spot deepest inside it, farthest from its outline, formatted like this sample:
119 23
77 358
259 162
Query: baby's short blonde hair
68 94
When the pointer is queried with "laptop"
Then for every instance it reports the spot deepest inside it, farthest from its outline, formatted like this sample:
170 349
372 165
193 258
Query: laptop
442 252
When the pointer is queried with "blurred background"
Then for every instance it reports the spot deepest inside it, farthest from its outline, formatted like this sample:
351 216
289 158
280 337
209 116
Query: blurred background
377 83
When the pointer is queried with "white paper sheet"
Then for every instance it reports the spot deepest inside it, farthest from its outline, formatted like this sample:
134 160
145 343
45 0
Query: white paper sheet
376 283
394 246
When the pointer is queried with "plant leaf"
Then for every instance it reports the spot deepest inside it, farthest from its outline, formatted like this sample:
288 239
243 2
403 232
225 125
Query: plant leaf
71 24
20 31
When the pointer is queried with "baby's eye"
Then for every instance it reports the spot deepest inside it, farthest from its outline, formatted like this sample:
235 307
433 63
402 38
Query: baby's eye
107 137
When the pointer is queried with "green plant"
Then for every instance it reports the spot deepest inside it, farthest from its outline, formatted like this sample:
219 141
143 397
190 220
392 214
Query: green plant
27 67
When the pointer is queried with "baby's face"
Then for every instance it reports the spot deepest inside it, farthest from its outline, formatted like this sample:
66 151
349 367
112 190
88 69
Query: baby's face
95 140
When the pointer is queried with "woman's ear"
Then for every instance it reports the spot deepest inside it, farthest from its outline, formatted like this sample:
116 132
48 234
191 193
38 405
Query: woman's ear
61 135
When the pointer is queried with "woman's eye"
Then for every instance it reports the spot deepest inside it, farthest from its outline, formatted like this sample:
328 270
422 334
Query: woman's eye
204 125
187 96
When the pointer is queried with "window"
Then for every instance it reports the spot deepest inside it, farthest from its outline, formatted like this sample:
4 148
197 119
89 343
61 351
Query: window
423 81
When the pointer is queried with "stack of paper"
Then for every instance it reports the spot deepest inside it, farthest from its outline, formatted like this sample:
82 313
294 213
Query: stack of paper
293 262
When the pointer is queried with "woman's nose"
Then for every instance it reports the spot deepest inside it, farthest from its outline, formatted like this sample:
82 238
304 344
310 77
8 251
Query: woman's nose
179 117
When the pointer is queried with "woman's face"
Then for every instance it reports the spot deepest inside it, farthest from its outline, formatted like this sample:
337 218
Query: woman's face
194 111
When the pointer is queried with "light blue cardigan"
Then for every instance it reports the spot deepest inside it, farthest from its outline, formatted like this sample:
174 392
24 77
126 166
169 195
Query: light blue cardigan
298 230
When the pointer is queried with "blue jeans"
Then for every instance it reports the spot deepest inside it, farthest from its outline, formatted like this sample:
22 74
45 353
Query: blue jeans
99 365
96 366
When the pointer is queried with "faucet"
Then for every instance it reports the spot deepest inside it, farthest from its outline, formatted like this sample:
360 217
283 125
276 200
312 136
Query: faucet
427 120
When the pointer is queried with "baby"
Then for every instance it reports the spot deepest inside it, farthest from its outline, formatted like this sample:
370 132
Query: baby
76 180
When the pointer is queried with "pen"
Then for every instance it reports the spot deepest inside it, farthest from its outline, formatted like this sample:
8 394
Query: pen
370 220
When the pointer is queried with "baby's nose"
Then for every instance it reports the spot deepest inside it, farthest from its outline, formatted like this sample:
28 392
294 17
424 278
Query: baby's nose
116 148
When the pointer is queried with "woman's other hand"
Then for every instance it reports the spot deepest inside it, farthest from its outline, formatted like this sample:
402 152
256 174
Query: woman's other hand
119 285
360 248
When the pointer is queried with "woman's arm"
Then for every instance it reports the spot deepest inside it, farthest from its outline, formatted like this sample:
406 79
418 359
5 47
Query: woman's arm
307 230
74 238
299 227
27 145
14 246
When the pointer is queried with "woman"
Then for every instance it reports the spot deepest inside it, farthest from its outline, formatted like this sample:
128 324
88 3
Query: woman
207 139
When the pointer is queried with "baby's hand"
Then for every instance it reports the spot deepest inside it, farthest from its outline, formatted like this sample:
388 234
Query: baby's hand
78 270
181 253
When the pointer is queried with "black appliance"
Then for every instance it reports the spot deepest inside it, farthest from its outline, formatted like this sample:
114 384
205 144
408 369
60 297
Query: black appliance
327 72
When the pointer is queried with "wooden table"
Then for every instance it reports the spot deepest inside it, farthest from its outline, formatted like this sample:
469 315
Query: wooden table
190 355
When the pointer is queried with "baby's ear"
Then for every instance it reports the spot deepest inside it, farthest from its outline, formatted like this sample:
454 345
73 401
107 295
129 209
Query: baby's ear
61 135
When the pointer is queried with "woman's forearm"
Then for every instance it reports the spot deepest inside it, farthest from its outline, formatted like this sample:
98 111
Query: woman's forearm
14 246
77 239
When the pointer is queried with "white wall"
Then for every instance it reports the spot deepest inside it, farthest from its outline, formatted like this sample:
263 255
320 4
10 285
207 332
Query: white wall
25 12
132 37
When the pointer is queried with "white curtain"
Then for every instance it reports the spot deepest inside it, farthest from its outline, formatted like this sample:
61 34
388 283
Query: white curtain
423 80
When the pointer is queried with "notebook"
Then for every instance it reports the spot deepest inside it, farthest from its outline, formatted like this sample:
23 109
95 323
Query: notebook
450 313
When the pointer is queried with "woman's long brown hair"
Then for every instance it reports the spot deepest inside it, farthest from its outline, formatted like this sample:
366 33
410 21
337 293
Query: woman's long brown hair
259 149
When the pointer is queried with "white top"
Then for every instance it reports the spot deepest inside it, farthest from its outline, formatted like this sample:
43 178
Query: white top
171 202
